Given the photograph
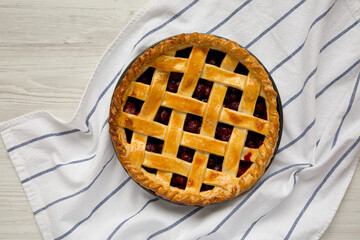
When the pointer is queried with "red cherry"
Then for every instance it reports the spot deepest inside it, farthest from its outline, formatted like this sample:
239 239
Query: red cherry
158 117
180 180
226 100
130 107
175 76
211 163
200 88
207 91
218 168
223 132
205 187
186 156
243 167
164 117
247 157
193 126
213 62
150 170
144 79
254 140
159 148
234 105
173 86
234 97
151 147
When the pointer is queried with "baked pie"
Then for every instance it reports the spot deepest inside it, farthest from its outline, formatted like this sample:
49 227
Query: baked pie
195 119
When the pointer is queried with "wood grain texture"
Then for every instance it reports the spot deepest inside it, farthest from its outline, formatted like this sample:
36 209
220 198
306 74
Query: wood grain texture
48 51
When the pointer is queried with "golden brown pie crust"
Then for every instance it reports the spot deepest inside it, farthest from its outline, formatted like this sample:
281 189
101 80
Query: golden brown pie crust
133 156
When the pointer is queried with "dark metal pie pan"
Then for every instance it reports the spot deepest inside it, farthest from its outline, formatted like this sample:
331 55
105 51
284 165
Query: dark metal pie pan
278 100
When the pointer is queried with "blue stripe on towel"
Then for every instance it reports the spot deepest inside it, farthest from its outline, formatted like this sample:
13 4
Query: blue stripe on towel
167 22
100 97
94 210
275 23
301 90
175 223
104 124
229 17
298 138
56 167
337 79
254 223
339 35
314 71
256 187
347 110
123 222
251 227
320 186
42 137
77 193
303 44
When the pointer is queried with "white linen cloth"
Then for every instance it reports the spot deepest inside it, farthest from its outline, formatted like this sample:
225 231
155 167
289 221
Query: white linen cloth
78 189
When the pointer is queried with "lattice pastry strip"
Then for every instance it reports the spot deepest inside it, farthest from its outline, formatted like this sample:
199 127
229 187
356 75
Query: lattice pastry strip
155 94
154 99
184 104
187 86
193 70
206 142
197 172
172 142
215 74
238 137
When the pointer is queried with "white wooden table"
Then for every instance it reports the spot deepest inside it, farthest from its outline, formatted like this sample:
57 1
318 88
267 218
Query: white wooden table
48 51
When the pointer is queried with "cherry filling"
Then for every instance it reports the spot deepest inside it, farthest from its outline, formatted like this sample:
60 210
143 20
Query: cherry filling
223 132
215 162
260 108
174 82
241 69
247 157
192 123
186 154
205 187
163 115
254 139
133 106
128 134
202 90
232 98
146 77
153 145
185 53
215 57
243 167
178 181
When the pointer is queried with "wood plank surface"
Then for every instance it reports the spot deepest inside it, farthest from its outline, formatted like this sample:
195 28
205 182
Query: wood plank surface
48 51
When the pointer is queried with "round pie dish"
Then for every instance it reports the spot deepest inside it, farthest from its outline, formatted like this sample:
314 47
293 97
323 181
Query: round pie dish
196 119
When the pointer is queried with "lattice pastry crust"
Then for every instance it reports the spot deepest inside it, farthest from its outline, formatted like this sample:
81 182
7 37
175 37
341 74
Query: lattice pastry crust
155 170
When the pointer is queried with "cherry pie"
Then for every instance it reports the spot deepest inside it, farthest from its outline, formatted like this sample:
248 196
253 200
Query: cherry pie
195 119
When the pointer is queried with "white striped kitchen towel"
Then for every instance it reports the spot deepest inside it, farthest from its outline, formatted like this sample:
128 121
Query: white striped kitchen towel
78 190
